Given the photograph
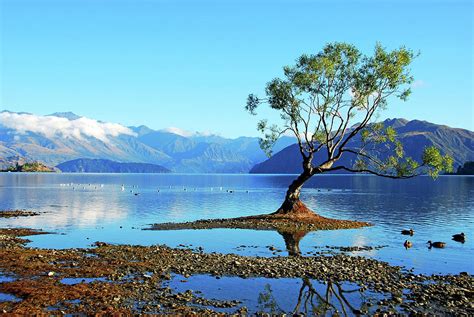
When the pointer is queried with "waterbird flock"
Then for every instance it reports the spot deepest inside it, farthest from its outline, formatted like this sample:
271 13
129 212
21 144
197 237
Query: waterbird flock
134 188
459 237
184 188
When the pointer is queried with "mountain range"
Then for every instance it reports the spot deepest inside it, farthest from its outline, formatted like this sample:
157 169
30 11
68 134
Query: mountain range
65 136
415 135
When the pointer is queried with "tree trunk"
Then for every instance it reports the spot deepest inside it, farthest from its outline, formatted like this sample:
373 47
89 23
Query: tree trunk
292 205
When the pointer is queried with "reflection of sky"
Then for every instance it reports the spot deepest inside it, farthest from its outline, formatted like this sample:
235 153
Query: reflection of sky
434 209
64 207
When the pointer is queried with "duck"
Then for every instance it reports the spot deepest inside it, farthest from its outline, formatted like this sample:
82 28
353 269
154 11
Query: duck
459 237
407 244
436 244
408 232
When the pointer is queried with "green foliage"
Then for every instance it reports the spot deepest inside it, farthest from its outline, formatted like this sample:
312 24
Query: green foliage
391 134
319 96
435 162
397 165
378 133
252 103
365 134
320 137
271 135
399 151
319 86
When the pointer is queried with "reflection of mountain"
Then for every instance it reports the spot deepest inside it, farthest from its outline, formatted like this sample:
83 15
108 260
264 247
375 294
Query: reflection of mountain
61 137
415 136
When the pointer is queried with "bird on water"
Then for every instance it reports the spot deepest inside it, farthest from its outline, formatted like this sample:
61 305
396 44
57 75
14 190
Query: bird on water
408 232
436 244
459 237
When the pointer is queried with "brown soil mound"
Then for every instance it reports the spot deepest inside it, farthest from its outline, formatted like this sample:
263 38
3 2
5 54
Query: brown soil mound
276 221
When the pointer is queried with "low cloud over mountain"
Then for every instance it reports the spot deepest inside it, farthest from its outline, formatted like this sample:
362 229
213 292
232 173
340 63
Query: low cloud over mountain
52 126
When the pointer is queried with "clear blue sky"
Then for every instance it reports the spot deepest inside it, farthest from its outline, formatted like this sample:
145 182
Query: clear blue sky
191 64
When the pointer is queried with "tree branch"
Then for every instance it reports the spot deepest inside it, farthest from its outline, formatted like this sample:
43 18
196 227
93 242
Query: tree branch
370 172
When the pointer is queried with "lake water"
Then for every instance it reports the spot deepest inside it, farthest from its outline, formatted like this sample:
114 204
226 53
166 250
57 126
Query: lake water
83 208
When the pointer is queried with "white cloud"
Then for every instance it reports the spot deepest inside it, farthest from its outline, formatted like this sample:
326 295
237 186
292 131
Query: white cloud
187 133
178 131
51 126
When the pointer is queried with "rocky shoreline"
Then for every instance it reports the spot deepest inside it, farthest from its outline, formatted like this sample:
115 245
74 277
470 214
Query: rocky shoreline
17 213
133 280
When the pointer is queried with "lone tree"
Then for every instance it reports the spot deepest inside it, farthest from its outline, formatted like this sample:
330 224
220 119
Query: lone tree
329 102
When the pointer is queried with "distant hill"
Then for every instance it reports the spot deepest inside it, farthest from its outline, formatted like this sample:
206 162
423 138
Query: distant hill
415 136
30 167
466 169
84 165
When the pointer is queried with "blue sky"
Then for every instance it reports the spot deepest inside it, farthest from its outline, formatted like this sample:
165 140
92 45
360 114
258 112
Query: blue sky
191 64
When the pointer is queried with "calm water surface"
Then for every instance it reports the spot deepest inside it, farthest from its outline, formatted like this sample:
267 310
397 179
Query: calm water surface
83 208
92 207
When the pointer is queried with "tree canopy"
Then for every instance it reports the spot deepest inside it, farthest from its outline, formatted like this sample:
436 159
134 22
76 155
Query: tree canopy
329 100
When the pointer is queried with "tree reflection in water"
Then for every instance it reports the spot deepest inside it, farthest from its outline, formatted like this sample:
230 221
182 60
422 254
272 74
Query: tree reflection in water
267 302
311 302
292 241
